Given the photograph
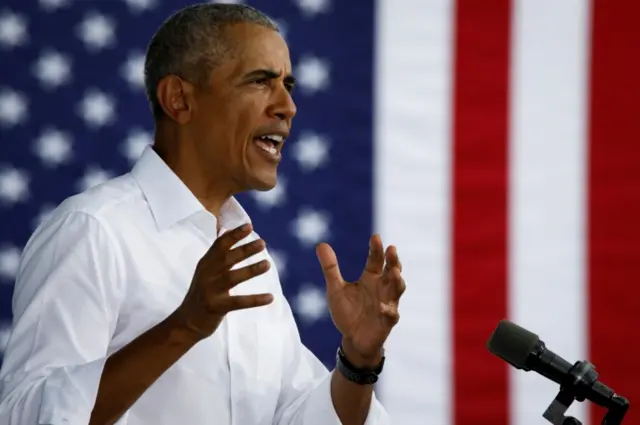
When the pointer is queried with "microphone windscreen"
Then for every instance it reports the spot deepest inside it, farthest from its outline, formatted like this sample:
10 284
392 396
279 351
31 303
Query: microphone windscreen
512 343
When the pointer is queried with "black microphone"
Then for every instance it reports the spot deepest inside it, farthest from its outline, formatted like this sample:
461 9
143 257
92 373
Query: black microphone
524 350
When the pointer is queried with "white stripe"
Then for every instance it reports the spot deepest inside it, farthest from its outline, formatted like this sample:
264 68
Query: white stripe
548 145
413 92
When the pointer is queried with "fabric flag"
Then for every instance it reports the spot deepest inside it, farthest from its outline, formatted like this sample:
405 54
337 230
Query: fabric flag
508 172
496 143
73 113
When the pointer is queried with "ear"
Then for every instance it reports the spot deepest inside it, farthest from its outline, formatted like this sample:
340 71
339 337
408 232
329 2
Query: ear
175 97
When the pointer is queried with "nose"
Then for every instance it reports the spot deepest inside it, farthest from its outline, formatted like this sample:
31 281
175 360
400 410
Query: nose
283 107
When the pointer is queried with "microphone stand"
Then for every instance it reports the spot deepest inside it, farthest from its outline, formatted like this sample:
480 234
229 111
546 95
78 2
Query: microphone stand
582 380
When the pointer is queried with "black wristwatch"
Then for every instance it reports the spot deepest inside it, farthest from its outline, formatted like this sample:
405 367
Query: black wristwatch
353 374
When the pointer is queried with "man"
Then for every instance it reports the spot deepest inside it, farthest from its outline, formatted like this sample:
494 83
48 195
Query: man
126 312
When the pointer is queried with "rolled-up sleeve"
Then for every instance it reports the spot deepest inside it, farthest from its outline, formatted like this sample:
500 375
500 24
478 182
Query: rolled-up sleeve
305 397
65 307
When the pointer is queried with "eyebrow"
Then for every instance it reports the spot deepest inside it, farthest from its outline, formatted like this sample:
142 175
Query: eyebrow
271 75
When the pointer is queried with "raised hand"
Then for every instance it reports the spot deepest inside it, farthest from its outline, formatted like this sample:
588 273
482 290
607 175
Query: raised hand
208 299
366 310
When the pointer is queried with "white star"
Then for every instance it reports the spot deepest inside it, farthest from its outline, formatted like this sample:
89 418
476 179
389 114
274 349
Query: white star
271 198
312 74
311 227
45 212
280 260
313 7
53 147
133 70
137 140
14 185
137 6
96 31
311 151
310 303
13 30
52 69
51 5
13 107
93 177
97 108
9 262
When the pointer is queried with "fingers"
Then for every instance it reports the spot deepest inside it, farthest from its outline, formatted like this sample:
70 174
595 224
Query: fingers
241 253
214 277
393 273
392 259
229 280
375 260
241 302
396 284
390 313
222 303
330 269
220 258
230 238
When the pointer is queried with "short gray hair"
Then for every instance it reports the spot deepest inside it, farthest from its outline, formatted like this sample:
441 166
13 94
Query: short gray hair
192 42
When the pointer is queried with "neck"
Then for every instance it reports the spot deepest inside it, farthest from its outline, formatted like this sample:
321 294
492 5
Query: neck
212 193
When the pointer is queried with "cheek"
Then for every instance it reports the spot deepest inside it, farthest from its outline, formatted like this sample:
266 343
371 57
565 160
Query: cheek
246 124
238 122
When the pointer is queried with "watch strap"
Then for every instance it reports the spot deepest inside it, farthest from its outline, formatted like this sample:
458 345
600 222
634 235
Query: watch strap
354 374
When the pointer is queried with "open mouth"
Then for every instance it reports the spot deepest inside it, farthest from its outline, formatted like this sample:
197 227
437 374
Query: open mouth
270 143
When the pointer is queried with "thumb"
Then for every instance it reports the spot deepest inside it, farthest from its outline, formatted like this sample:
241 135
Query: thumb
329 263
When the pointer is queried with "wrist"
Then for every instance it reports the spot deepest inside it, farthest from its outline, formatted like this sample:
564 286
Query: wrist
361 360
181 330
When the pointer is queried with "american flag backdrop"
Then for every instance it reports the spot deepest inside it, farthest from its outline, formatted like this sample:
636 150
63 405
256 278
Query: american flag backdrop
495 142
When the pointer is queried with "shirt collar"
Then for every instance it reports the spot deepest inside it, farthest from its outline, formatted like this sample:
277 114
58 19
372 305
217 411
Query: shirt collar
171 201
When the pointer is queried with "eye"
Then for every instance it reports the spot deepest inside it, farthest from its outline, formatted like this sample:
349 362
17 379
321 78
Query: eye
289 87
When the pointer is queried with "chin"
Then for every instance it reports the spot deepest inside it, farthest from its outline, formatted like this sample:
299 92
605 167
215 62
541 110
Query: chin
263 183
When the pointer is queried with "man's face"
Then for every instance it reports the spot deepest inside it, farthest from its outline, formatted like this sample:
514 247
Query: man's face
239 122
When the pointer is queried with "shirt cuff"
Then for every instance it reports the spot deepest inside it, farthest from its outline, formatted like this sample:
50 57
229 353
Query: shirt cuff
69 394
319 410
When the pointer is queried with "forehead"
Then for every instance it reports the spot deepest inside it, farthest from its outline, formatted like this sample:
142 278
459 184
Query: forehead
256 47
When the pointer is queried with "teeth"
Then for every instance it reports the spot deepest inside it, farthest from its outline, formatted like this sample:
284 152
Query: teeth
267 147
273 137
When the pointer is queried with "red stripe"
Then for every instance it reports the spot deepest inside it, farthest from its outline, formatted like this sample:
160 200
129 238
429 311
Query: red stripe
479 251
614 199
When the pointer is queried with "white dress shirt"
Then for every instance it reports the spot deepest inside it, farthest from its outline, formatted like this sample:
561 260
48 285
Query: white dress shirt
112 262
